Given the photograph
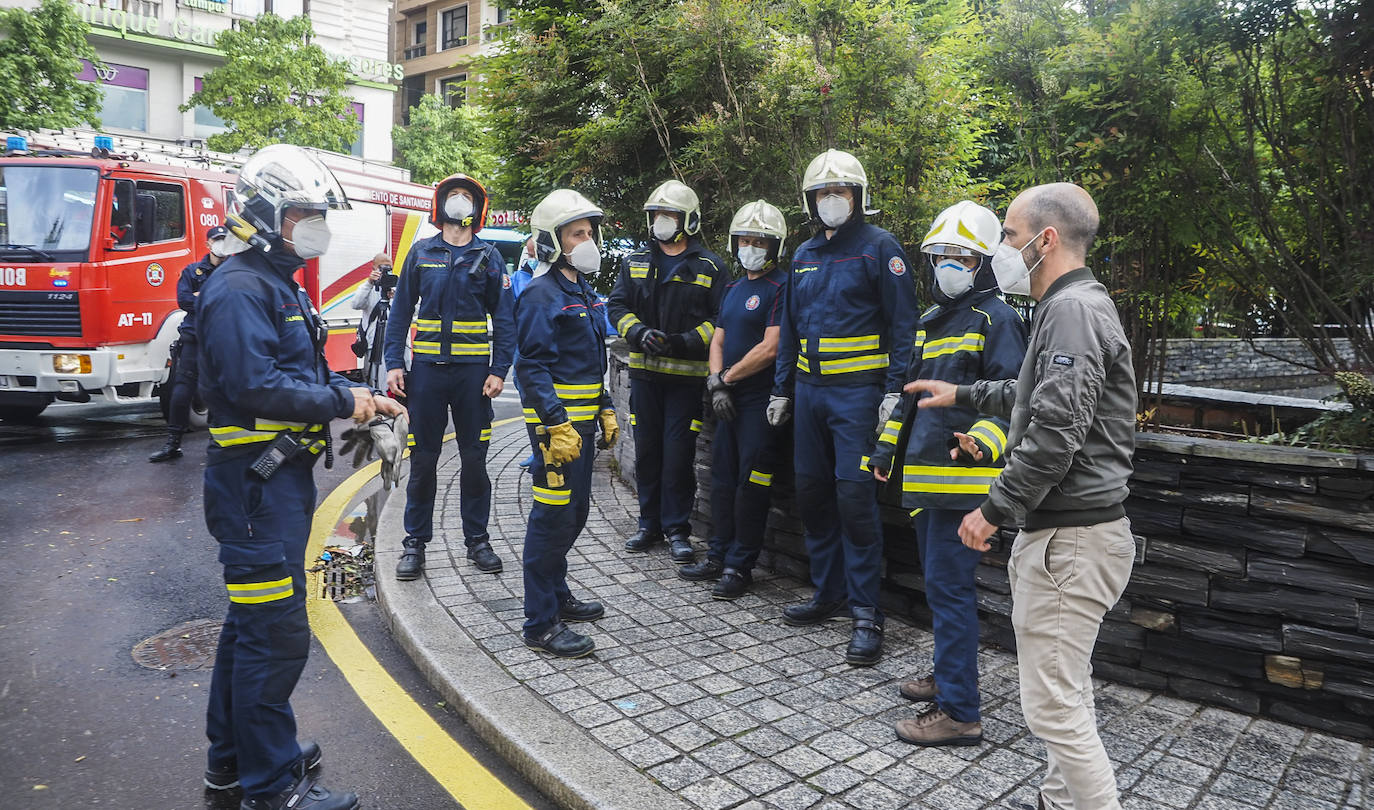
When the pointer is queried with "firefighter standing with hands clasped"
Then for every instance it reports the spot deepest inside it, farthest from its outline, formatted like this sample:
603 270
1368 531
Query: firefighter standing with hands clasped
271 398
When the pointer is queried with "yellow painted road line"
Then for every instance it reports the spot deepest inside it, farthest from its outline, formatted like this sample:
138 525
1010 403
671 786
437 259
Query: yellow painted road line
466 780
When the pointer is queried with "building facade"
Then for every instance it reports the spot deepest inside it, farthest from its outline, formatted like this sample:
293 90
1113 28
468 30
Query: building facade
435 42
155 53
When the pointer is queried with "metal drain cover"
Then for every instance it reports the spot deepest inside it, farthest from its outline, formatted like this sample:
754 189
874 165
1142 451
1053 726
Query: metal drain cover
190 645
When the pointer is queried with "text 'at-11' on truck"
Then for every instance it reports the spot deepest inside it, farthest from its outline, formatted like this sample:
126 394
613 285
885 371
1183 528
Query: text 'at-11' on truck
94 233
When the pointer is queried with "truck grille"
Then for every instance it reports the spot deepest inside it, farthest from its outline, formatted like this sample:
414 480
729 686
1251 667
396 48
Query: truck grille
40 313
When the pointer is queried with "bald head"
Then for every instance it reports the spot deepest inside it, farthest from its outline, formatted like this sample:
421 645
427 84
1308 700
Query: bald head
1063 206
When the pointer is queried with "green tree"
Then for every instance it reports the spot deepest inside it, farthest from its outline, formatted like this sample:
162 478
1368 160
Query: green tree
441 140
40 53
276 86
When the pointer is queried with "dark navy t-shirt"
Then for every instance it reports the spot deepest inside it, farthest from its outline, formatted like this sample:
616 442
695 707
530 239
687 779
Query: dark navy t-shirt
749 307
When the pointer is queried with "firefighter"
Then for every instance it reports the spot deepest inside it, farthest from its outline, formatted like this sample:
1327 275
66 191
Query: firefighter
561 370
743 350
970 334
271 397
846 337
456 365
184 379
664 301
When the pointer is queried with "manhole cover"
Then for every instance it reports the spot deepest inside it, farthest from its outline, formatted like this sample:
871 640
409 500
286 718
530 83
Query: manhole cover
190 645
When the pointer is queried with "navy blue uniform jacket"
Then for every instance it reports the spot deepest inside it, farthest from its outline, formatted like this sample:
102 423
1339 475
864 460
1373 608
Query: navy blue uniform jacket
192 278
562 351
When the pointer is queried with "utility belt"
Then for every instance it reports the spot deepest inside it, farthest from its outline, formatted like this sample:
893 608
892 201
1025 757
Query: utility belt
285 442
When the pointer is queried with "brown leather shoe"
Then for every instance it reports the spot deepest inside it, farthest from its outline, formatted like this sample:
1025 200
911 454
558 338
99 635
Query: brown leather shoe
919 690
934 727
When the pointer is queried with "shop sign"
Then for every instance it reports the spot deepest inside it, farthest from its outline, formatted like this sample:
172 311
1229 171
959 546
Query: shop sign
214 6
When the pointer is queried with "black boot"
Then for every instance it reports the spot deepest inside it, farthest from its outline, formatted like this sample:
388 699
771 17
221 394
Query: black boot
304 795
642 540
814 612
225 777
561 641
412 562
479 551
680 549
708 569
575 610
170 450
733 584
866 642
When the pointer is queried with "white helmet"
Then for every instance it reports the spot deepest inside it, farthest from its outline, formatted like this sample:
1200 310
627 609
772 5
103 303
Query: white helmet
834 168
274 179
553 212
758 218
963 229
677 197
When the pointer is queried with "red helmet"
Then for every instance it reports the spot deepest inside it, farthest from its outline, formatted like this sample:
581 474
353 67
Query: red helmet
478 219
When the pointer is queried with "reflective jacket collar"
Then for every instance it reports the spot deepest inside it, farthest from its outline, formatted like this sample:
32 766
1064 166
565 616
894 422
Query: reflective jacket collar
436 242
1071 277
656 255
964 302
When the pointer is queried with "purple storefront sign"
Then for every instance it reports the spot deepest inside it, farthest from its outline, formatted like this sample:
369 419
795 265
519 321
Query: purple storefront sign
135 78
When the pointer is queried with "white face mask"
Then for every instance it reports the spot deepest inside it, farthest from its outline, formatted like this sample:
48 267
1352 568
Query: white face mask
458 207
753 258
585 258
953 278
1009 266
665 227
219 248
834 210
310 237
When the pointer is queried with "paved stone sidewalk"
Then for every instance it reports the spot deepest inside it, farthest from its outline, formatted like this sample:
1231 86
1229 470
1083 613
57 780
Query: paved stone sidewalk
724 706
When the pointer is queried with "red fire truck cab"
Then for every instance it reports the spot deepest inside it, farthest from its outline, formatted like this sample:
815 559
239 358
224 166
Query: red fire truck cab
94 233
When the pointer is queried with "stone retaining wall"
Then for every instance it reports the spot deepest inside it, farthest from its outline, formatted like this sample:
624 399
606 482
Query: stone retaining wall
1235 364
1254 579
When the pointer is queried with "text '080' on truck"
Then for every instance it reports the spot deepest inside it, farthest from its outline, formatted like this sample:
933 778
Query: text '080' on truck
94 232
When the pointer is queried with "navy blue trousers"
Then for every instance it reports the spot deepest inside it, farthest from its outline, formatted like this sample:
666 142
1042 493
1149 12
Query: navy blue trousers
837 497
562 499
434 391
667 419
949 568
743 460
183 386
262 528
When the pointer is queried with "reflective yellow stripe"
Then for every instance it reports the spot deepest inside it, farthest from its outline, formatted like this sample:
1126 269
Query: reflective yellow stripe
624 324
700 280
576 390
553 497
969 342
470 327
425 347
949 480
801 345
670 365
858 343
864 362
582 413
531 416
803 364
265 431
469 349
890 431
760 479
920 339
639 271
632 420
991 436
696 425
486 435
863 463
704 331
410 440
431 324
252 593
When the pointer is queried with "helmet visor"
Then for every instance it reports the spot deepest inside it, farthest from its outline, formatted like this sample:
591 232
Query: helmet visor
940 249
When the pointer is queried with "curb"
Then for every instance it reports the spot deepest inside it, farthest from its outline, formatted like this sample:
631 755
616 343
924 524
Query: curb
560 759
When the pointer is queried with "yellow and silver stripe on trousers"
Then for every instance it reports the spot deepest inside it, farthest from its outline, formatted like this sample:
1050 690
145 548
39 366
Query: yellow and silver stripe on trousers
552 497
760 479
670 365
265 430
949 480
254 593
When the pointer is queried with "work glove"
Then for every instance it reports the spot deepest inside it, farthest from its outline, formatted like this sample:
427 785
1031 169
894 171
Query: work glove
716 381
357 442
654 342
723 403
610 429
564 444
779 410
390 440
886 407
677 346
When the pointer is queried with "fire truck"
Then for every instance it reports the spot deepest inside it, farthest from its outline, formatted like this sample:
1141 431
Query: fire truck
94 232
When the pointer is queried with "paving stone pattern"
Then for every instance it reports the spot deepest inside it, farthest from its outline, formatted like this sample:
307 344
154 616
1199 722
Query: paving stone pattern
723 704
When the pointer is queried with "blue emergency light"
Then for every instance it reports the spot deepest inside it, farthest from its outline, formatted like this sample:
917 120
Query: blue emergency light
16 144
104 142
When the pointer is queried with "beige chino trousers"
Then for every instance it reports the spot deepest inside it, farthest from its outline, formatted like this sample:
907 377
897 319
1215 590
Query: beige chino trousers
1063 581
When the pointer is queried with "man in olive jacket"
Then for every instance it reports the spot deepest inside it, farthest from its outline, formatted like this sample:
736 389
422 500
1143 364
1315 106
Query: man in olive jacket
1072 411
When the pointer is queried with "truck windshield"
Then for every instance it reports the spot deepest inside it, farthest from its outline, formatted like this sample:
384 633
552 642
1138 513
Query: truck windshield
45 210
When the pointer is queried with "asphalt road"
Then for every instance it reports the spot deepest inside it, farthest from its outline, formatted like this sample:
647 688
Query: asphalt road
101 550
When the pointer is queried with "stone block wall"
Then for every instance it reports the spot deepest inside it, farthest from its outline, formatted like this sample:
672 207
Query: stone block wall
1253 587
1236 365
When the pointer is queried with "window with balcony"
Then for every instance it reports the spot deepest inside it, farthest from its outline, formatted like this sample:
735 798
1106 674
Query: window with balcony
418 37
453 27
452 92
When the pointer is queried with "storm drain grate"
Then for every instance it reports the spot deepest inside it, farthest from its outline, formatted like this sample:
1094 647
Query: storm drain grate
190 645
